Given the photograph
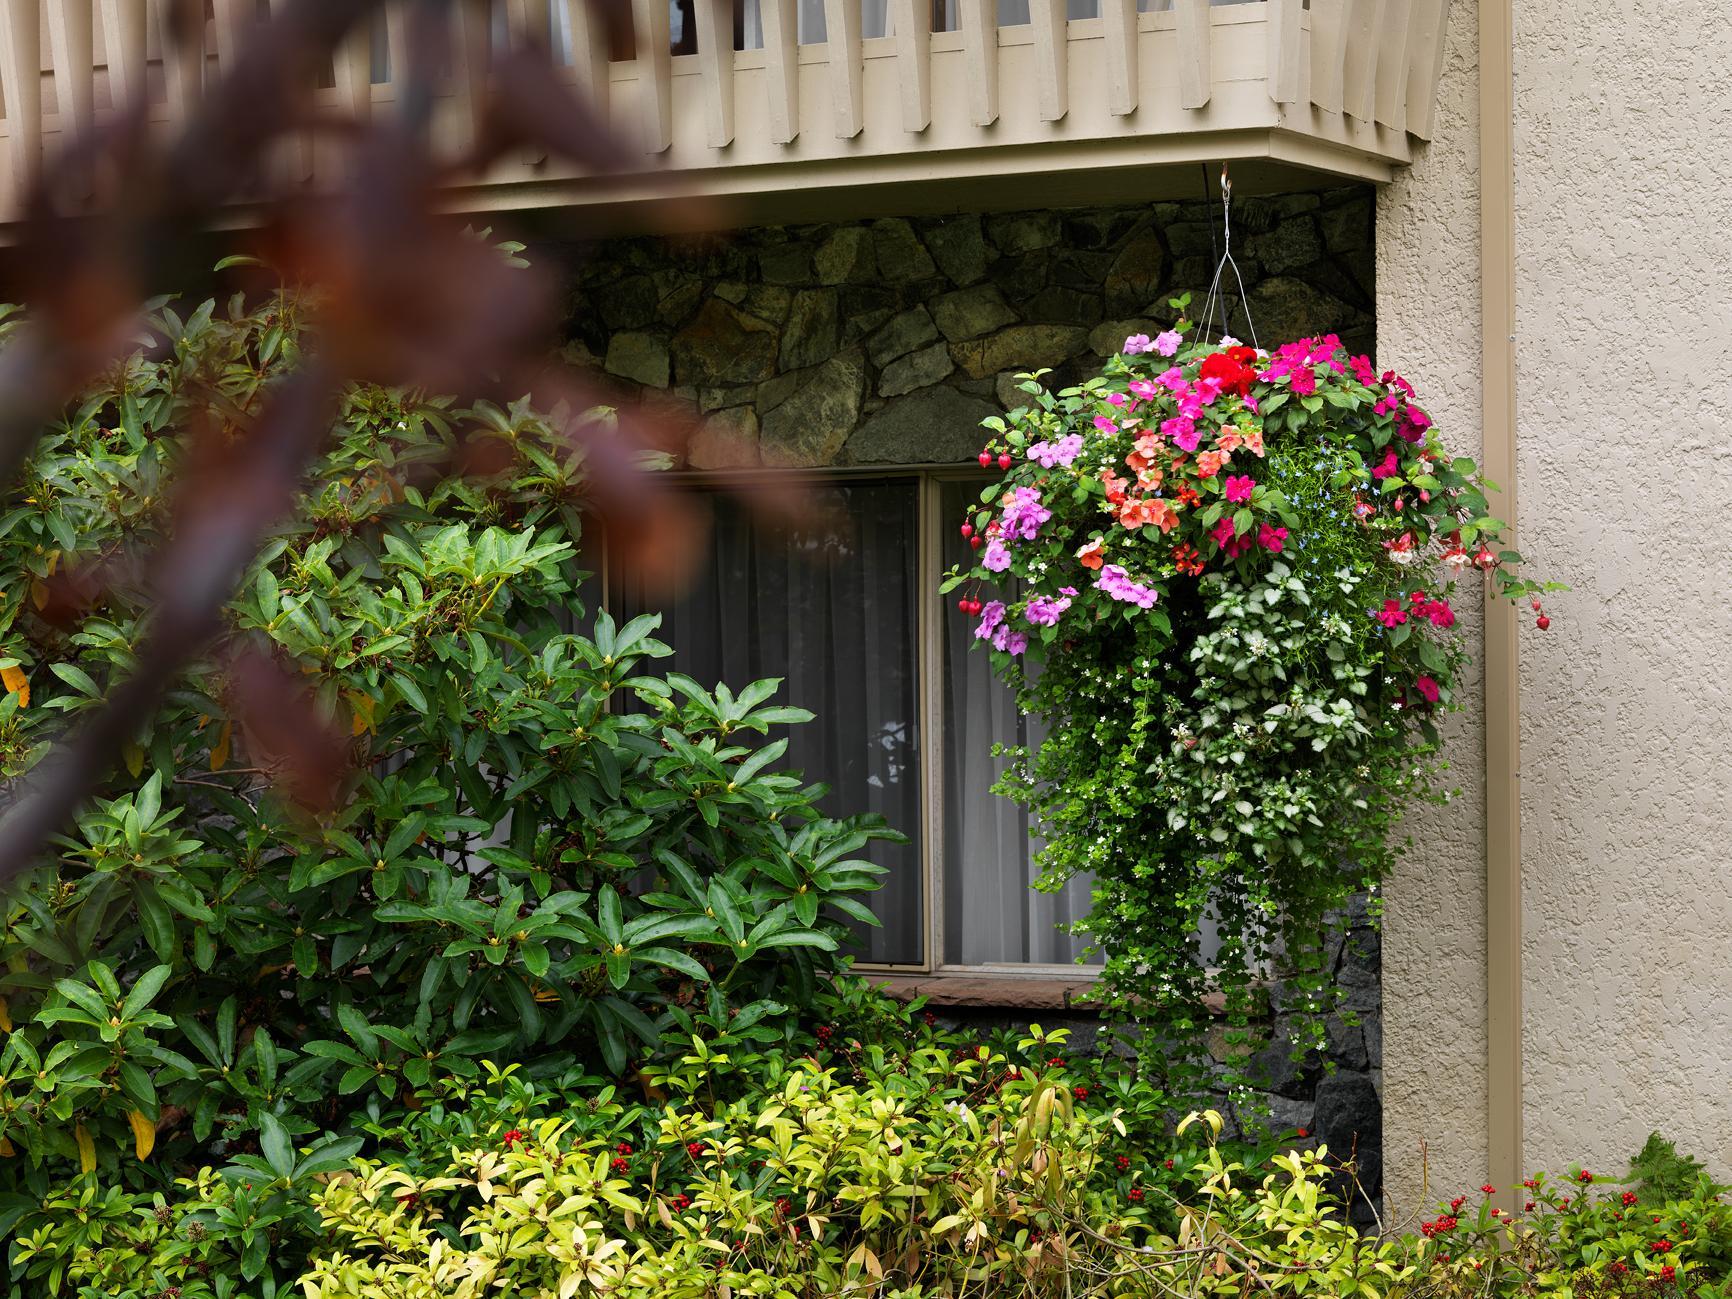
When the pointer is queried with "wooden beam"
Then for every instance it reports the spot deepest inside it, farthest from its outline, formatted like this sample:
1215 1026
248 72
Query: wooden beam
1391 105
1285 46
1051 58
716 67
782 67
1196 69
586 26
842 39
655 74
123 40
471 53
182 61
21 82
1425 45
1119 20
1497 269
1328 53
72 37
912 20
980 58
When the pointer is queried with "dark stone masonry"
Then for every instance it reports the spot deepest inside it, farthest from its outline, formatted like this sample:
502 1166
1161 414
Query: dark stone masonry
887 341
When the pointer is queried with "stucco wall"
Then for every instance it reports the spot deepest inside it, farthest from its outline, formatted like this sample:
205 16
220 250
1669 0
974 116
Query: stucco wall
1434 1079
1623 292
1624 298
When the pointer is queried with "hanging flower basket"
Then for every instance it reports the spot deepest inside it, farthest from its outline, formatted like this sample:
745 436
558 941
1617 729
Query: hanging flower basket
1239 574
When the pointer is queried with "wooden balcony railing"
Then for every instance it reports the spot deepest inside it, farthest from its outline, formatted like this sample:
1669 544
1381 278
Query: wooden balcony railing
827 95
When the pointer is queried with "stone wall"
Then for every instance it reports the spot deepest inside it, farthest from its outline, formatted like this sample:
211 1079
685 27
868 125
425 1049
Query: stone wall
887 341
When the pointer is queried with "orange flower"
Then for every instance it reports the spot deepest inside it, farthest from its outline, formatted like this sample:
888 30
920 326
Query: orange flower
1254 440
1229 441
1209 463
1149 510
1115 486
1090 555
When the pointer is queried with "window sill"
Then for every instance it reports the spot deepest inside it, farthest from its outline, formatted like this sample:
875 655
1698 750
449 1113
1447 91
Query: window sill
990 990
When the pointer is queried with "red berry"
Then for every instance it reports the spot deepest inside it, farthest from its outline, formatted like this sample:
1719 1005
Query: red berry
1542 622
968 531
985 459
1004 461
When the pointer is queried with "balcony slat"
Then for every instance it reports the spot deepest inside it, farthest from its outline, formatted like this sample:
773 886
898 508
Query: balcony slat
21 82
655 74
528 23
782 63
1285 48
471 49
1426 35
72 38
1362 29
587 27
716 67
1392 68
980 45
183 63
123 40
912 21
842 28
353 66
1119 19
1328 53
1195 71
1051 58
233 17
292 156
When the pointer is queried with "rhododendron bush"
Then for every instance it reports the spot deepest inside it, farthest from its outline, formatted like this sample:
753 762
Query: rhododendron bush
1228 581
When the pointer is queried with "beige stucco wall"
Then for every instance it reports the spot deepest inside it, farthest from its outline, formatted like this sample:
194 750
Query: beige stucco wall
1434 1042
1624 300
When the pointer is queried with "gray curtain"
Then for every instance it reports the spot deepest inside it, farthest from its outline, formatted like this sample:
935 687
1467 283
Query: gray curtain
831 609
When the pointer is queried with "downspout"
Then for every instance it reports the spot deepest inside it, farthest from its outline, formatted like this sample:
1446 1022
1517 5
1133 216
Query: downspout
1502 679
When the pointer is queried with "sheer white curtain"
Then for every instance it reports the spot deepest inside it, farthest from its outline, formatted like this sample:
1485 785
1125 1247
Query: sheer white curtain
992 913
831 609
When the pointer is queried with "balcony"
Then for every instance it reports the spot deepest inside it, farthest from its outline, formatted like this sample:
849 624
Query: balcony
804 108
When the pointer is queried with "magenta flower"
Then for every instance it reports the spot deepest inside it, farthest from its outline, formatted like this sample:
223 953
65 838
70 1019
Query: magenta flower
1044 611
1182 429
1023 512
1304 382
1428 688
1063 452
1239 487
990 618
996 557
1271 539
1115 582
1392 614
1390 466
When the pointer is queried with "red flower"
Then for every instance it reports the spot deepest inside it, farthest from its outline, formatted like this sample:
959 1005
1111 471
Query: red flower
1392 614
1230 369
1428 688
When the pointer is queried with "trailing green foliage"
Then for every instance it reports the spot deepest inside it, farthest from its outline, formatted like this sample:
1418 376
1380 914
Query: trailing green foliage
535 847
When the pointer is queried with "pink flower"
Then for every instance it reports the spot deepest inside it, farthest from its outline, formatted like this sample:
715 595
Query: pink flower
990 618
1139 343
1044 611
1428 688
1440 613
1392 614
1223 532
996 557
1239 487
1104 424
1271 539
1304 382
1183 431
1390 466
1167 342
1362 370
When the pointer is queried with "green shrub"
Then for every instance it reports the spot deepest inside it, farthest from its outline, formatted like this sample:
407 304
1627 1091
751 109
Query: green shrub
537 848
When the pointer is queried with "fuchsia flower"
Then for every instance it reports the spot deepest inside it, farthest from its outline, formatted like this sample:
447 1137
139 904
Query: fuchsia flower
1182 429
1044 611
1389 468
1011 642
1113 580
1392 614
1271 539
1167 342
1304 382
1023 512
1239 487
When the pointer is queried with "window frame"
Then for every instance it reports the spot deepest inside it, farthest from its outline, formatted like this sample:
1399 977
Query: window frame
930 608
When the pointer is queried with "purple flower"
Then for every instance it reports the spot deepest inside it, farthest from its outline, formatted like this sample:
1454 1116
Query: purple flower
1011 642
1117 583
1167 342
1023 514
1063 452
1140 343
996 557
990 617
1044 611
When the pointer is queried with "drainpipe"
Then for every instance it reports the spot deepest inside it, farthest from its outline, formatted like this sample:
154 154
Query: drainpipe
1502 680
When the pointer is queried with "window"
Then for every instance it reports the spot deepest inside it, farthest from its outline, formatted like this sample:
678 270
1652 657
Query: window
845 608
